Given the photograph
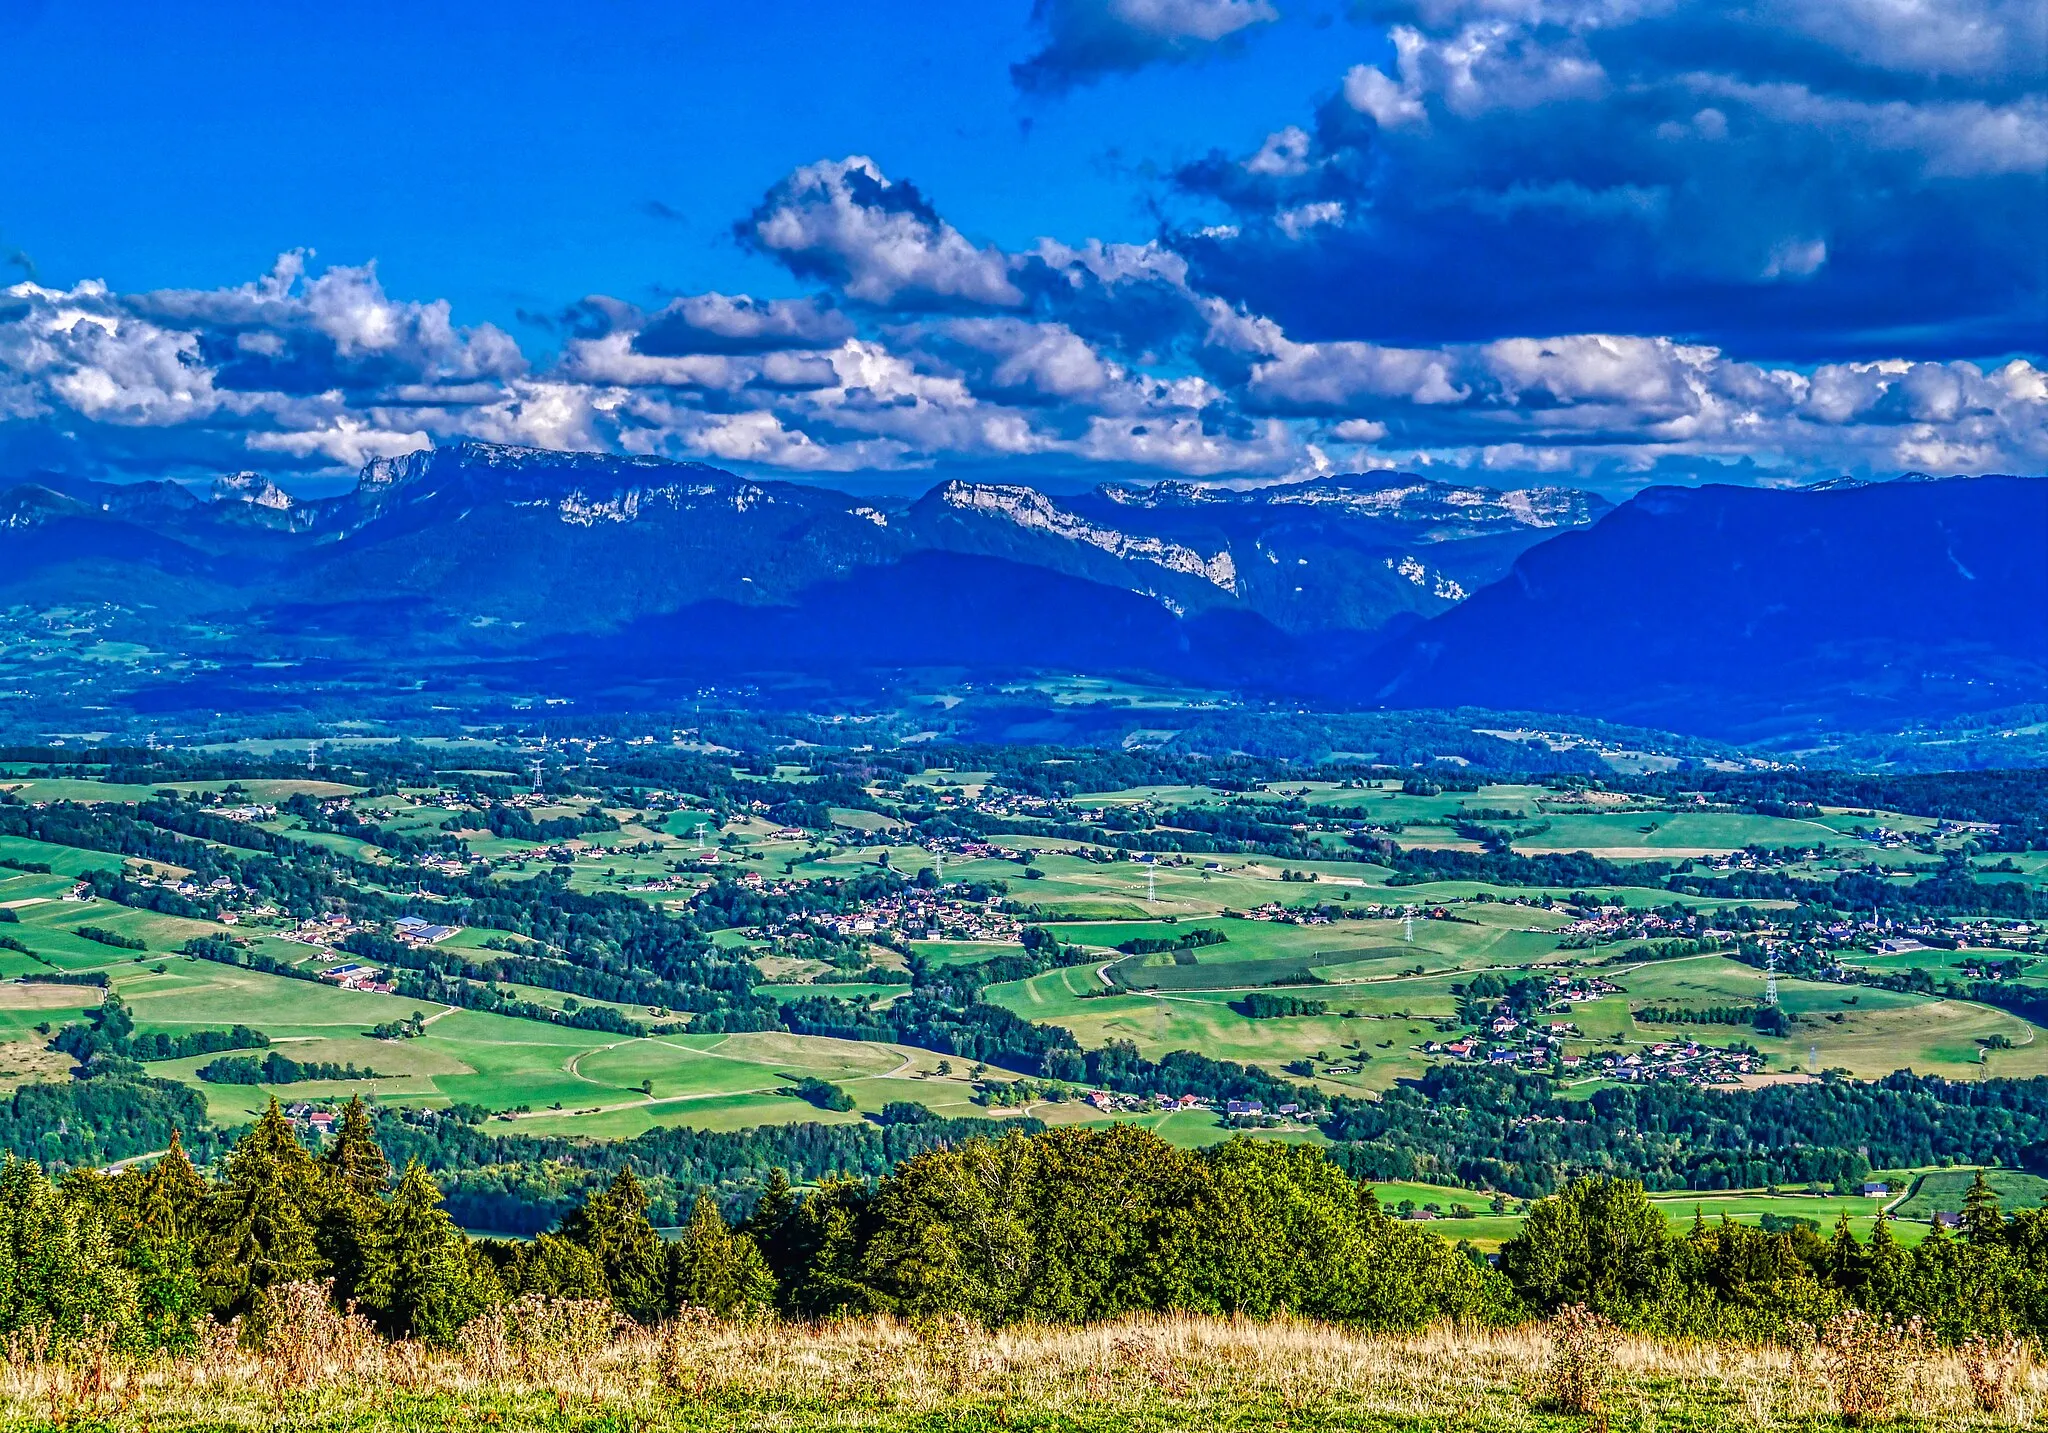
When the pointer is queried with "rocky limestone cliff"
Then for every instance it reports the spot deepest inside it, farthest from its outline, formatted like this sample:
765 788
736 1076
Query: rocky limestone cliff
1401 498
1029 508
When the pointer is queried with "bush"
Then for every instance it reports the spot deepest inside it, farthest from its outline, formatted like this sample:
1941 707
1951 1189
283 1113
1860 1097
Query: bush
1868 1360
1581 1357
1992 1367
823 1093
303 1336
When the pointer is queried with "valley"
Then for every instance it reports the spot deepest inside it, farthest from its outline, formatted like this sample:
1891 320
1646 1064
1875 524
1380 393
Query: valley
889 938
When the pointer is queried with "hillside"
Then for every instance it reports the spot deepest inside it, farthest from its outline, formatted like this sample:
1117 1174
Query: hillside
587 542
1733 611
1739 610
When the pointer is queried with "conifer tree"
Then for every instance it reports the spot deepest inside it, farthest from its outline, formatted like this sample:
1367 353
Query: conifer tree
355 1162
769 1223
166 1219
59 1271
1847 1266
612 1225
356 1177
427 1280
172 1200
1884 1267
716 1267
265 1216
1983 1225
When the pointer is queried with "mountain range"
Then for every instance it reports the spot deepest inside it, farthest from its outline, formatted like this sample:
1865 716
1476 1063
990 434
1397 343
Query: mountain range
1699 609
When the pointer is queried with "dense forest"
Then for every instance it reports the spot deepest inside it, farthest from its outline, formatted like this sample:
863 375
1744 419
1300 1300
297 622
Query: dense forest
1516 1132
1055 1226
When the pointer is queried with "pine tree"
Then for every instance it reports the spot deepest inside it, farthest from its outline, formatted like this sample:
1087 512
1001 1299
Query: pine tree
769 1224
58 1269
1982 1223
1884 1267
356 1176
264 1216
1846 1260
173 1197
613 1226
355 1162
717 1268
427 1280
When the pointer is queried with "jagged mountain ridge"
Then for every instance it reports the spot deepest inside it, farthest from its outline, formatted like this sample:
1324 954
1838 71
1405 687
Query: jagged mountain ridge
525 538
1718 610
1396 497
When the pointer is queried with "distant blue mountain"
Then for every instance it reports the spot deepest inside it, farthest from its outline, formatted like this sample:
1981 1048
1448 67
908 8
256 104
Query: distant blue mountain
1737 610
1722 610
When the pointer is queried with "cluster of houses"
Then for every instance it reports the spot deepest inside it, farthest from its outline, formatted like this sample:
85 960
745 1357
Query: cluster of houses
1539 1042
1681 1061
1565 991
1509 1041
1599 925
1759 858
916 914
1235 1111
1287 915
995 801
1824 948
232 903
322 930
553 852
969 848
359 977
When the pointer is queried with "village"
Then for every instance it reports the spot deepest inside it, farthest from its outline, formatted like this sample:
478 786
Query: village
1538 1042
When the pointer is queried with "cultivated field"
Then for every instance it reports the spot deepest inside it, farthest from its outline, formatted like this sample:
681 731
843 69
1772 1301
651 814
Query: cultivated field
1388 984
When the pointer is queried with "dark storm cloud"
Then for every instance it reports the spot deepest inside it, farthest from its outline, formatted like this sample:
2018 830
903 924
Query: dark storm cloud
1791 179
722 323
1086 39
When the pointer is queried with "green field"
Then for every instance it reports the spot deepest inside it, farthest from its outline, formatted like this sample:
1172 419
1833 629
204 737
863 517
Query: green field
1943 1190
1387 982
1487 1229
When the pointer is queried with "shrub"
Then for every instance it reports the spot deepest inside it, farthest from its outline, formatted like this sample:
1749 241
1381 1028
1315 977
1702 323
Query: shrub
1581 1357
303 1336
1868 1360
541 1339
1992 1367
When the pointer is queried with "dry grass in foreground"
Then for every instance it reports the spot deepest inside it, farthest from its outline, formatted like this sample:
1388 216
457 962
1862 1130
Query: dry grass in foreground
560 1365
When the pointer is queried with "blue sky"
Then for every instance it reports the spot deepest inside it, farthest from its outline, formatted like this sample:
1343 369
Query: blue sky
1603 241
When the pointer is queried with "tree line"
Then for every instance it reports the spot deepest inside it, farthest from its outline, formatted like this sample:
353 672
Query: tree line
1058 1226
276 1069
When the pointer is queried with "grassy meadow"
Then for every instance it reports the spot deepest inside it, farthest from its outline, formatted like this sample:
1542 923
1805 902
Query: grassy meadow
1388 984
1159 1374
